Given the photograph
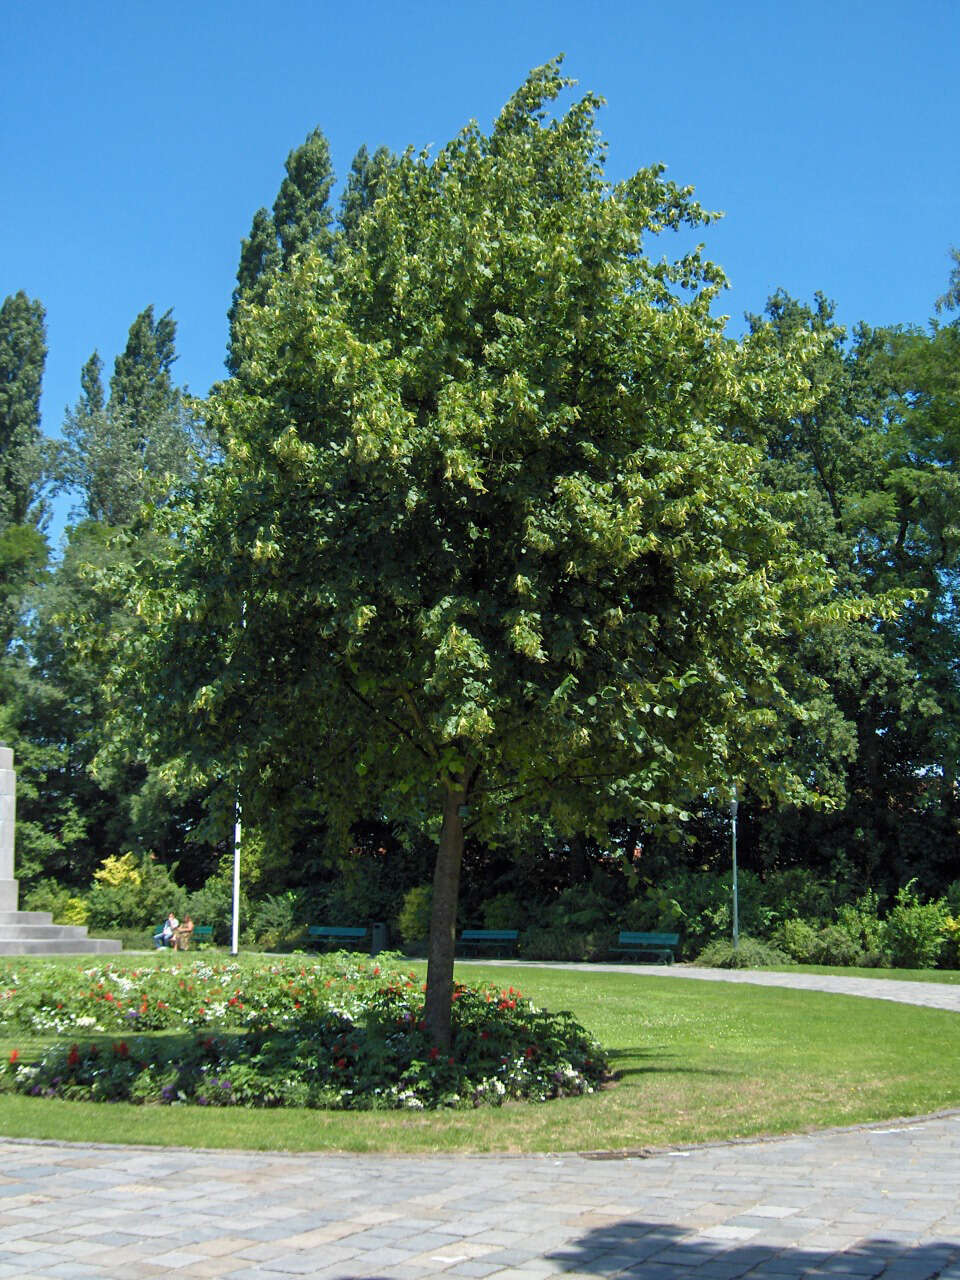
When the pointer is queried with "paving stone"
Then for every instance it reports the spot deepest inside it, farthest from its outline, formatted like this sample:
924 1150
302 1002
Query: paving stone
858 1203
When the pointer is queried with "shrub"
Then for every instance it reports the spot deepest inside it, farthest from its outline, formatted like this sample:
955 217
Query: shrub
133 894
278 919
48 895
835 946
566 944
750 954
951 934
213 905
913 931
503 912
76 911
798 939
413 922
860 920
808 945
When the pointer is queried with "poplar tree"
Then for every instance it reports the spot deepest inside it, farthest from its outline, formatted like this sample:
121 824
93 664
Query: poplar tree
140 441
300 220
23 351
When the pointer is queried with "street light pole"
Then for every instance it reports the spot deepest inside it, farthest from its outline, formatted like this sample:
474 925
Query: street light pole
235 923
733 842
235 928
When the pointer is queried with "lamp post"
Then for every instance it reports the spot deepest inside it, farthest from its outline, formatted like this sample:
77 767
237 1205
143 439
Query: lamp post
235 925
235 922
733 843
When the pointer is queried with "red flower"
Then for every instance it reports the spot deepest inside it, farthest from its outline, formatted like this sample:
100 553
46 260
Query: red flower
340 1063
434 1053
107 996
14 1055
73 1056
528 1053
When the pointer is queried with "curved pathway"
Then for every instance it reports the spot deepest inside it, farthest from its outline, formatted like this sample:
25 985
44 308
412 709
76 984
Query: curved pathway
877 1201
933 995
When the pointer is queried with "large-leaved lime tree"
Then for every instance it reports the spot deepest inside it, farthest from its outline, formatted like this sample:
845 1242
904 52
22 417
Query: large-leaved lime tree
481 552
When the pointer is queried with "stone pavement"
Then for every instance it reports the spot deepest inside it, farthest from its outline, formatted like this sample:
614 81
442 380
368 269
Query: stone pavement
881 1201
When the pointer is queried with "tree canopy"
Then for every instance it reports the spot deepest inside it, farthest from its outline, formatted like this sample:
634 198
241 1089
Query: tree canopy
487 553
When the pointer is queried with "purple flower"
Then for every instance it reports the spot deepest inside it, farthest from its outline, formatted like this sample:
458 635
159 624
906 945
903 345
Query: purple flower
168 1093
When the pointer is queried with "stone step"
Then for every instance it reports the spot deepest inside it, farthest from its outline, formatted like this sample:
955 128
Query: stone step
26 917
58 946
42 931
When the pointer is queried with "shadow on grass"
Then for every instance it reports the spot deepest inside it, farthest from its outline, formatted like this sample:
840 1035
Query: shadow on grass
654 1061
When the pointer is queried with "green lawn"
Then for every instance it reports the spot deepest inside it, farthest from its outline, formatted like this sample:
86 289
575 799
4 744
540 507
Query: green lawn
903 975
695 1062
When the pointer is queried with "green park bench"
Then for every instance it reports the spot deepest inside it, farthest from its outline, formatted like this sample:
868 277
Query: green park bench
203 933
660 946
333 936
482 940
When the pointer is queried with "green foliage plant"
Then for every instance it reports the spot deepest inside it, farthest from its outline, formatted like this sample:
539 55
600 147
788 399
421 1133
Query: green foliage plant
503 912
278 919
480 506
913 931
750 953
413 920
132 891
807 944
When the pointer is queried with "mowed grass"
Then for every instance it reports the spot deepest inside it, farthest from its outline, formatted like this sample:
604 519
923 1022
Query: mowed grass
695 1061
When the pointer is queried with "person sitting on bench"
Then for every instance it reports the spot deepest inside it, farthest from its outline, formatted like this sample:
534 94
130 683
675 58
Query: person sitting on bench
181 935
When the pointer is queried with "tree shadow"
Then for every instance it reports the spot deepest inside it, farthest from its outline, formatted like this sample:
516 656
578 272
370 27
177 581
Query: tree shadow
653 1061
658 1251
637 1250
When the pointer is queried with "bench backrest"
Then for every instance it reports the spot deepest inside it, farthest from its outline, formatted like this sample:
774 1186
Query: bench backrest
203 931
490 935
628 939
334 931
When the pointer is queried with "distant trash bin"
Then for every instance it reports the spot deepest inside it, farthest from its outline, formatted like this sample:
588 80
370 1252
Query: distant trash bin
379 939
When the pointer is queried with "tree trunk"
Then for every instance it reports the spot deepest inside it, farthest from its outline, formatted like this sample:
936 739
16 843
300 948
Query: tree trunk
443 919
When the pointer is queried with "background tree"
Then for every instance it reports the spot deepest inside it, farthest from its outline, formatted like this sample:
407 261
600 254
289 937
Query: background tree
870 470
119 451
141 441
495 560
300 220
23 351
366 181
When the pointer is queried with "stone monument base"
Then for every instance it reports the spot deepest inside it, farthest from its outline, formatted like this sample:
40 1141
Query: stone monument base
33 933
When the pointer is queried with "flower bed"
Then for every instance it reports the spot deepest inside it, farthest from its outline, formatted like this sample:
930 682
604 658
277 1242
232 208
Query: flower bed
340 1033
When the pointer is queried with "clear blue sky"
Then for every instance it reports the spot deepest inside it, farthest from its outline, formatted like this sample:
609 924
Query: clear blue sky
137 140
